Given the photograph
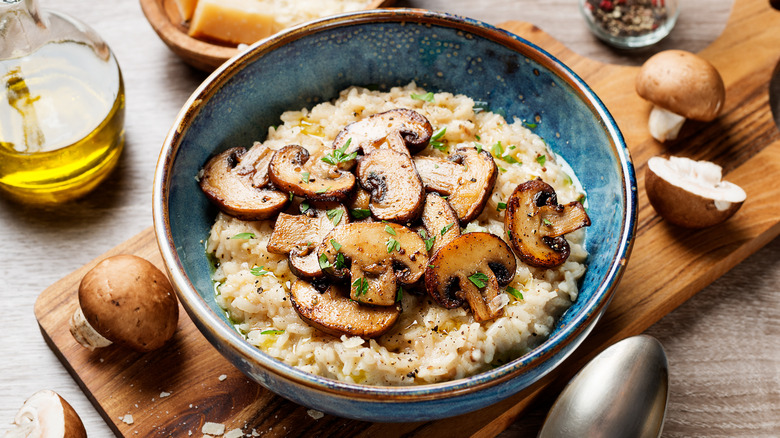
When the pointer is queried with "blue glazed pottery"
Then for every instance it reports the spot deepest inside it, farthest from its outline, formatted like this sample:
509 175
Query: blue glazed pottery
312 63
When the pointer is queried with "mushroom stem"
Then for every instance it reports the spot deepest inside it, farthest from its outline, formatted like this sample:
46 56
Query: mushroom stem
84 333
664 124
480 305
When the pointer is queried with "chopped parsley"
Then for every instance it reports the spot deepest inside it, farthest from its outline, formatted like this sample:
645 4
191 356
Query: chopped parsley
400 294
305 177
324 263
291 196
479 279
360 213
436 136
446 228
258 271
497 149
428 97
336 245
361 286
514 292
529 125
304 207
244 236
501 206
393 244
340 155
581 198
272 332
340 262
335 216
478 146
322 190
541 159
546 221
510 159
389 230
428 241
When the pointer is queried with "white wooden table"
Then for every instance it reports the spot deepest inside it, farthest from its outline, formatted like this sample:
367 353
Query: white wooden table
722 344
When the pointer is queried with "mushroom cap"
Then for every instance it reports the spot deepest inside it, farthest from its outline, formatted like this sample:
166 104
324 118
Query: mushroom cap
467 177
403 130
47 415
691 193
683 83
294 170
536 223
397 192
333 312
233 180
130 302
449 272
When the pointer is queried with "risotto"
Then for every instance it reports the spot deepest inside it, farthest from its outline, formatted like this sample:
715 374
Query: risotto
428 343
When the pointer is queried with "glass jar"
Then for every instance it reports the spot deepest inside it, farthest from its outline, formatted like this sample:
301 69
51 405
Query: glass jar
629 24
61 105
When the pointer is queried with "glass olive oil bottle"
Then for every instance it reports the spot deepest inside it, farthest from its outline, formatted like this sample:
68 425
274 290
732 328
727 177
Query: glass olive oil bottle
61 105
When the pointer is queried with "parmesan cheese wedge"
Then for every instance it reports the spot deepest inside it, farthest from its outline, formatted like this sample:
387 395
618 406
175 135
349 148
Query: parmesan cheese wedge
186 8
232 21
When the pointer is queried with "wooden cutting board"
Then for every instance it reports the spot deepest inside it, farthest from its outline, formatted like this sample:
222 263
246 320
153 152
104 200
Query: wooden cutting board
176 390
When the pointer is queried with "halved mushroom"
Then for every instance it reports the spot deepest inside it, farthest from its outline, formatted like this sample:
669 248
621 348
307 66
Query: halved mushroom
397 193
334 313
46 415
440 221
466 177
470 269
235 181
536 223
293 170
403 130
691 193
376 256
299 235
681 85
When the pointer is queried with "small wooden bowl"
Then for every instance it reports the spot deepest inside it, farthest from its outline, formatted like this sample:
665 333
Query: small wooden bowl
166 20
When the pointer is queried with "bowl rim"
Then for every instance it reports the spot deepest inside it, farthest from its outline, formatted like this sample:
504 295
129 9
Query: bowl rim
203 316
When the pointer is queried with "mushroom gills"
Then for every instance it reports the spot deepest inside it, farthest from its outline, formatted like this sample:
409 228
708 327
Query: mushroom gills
397 193
467 178
333 312
535 224
235 181
470 269
292 169
377 257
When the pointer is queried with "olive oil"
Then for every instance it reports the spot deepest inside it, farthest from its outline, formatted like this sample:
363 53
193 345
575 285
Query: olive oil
61 121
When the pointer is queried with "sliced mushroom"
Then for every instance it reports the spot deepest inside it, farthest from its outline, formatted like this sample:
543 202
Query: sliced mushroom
359 204
681 85
403 130
440 221
466 177
235 181
299 235
46 415
293 170
536 224
334 313
125 300
691 193
397 193
470 269
376 256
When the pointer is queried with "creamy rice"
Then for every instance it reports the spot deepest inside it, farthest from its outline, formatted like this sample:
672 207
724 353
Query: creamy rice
428 343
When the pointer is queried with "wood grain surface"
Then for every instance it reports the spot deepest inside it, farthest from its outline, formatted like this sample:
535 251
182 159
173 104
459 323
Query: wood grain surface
725 367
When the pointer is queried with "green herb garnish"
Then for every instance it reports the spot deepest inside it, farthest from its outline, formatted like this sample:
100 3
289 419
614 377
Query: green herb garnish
361 286
501 206
360 213
272 332
497 149
446 228
510 159
324 263
399 295
305 177
336 245
479 279
258 271
335 216
340 262
304 206
389 230
428 97
478 146
514 292
244 236
541 159
428 241
546 222
529 125
393 244
340 155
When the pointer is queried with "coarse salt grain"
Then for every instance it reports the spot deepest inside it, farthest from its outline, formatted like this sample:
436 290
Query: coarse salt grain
127 419
222 377
164 394
315 414
213 428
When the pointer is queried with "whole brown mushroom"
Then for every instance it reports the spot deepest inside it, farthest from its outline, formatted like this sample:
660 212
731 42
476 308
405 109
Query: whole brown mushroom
125 300
681 85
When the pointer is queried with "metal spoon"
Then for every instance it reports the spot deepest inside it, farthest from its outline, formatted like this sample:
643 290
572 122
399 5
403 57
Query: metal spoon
622 392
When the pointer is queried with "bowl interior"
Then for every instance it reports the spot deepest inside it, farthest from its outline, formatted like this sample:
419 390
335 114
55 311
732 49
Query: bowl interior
311 64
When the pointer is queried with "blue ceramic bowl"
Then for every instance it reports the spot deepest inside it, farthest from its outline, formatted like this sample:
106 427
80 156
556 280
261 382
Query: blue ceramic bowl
312 63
